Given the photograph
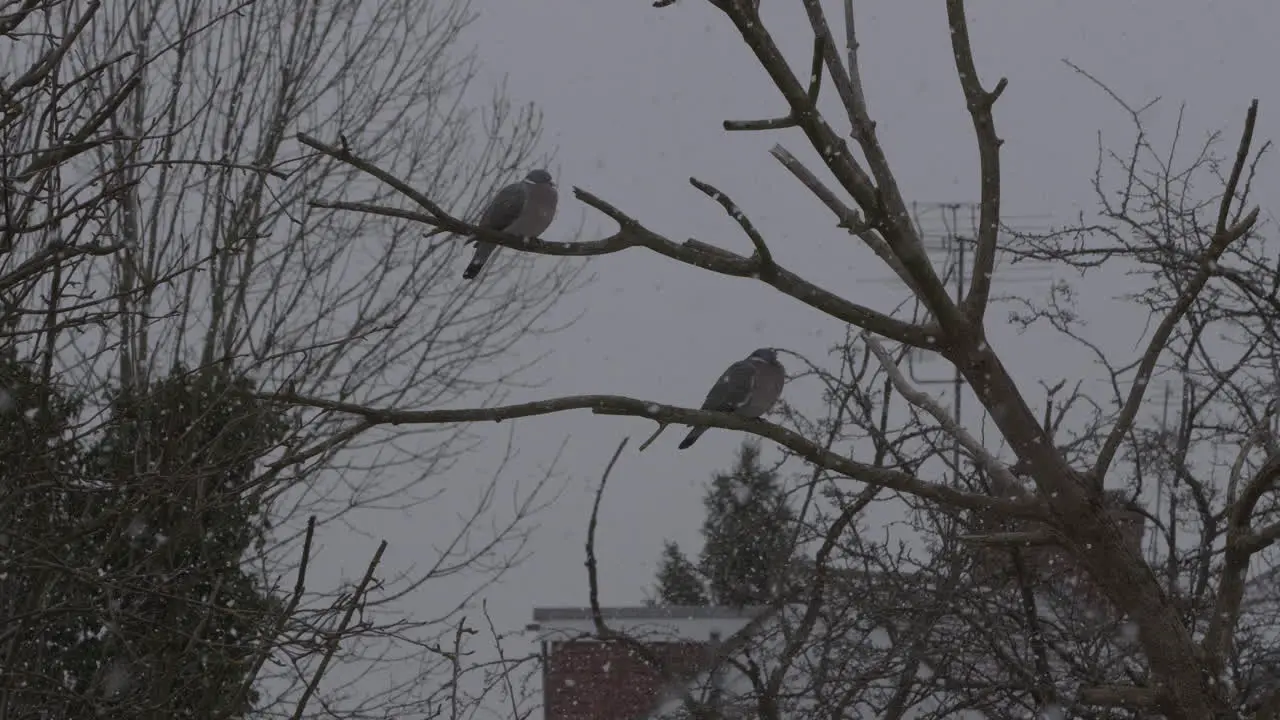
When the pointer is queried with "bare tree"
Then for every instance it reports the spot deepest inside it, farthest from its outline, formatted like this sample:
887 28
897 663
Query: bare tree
155 231
1203 274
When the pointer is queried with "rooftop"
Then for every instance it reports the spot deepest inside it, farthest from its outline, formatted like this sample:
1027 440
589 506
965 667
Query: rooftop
670 612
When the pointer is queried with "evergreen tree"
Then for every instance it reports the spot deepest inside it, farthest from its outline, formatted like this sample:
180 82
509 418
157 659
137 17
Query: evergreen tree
150 612
679 582
40 552
747 532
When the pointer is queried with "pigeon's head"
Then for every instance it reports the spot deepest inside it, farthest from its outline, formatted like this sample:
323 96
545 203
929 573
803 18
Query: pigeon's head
768 355
538 177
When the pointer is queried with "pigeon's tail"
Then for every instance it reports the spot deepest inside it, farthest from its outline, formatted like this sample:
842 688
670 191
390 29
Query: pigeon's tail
692 437
478 259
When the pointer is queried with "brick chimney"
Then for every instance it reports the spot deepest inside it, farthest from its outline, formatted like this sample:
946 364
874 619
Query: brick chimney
586 679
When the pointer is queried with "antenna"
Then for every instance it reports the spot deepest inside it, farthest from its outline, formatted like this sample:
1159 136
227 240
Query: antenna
951 229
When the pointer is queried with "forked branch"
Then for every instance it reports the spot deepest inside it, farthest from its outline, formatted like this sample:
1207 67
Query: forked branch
793 118
762 256
631 234
979 102
1242 544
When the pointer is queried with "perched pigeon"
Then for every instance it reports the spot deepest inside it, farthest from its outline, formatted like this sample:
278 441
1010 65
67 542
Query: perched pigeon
748 388
525 208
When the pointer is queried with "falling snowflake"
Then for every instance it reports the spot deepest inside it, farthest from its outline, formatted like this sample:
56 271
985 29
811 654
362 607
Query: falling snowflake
116 680
137 526
1053 712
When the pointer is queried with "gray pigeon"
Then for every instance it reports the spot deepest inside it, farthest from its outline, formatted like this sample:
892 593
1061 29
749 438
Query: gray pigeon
748 388
525 208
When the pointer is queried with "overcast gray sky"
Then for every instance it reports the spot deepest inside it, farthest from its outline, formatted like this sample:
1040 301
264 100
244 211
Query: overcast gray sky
634 98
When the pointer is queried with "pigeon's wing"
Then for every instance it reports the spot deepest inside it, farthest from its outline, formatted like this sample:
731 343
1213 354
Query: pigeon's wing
733 389
504 208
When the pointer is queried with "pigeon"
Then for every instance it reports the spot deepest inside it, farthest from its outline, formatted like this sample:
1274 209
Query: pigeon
525 208
748 388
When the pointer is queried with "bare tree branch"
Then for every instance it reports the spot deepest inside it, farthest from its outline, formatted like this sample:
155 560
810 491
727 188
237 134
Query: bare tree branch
980 103
1007 483
619 405
355 601
1223 237
632 234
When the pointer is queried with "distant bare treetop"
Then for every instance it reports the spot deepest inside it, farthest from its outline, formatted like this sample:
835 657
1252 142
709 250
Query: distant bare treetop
163 255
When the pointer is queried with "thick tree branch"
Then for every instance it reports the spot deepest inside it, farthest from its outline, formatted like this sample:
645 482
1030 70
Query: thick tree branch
1262 538
849 219
883 202
792 119
1024 538
631 234
979 102
891 210
896 480
1223 237
1092 537
1119 696
1242 544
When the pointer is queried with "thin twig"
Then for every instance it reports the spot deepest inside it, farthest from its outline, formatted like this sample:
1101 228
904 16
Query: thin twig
608 634
264 647
654 436
1223 237
1007 484
335 637
502 659
593 579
